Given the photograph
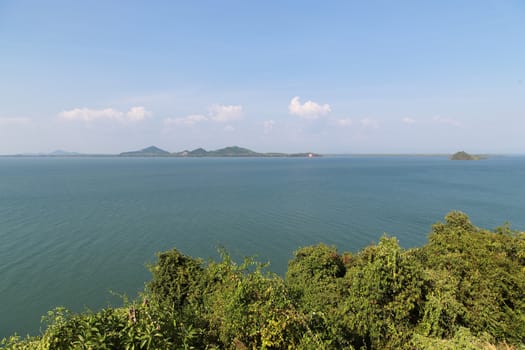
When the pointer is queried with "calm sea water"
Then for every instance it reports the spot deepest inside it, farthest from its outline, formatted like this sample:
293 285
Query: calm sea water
74 229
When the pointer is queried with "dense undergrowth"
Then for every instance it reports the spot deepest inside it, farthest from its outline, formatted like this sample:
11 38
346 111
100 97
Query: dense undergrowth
464 289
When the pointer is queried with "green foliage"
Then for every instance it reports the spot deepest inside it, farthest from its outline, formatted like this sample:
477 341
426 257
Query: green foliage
462 340
465 289
313 277
175 277
476 279
16 342
254 309
123 328
443 311
315 281
385 295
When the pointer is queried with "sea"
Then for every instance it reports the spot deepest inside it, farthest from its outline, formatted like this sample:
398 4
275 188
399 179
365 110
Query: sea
80 232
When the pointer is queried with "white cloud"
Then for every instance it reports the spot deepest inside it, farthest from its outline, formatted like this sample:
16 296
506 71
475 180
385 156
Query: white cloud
135 114
229 128
189 120
448 121
346 122
268 125
8 121
216 113
408 120
89 115
224 114
369 123
307 110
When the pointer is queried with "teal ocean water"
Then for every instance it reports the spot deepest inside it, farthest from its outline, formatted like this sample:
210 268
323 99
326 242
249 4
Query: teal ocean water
74 229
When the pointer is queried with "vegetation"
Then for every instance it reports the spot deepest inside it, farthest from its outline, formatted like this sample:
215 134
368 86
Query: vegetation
150 151
232 151
464 289
465 156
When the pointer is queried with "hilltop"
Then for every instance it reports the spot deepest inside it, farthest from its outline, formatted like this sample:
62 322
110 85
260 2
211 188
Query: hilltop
465 156
232 151
150 151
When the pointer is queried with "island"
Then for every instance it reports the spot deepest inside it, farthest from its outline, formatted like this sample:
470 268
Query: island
151 151
232 151
466 156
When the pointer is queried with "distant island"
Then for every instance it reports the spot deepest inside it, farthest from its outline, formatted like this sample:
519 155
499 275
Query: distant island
232 151
465 156
151 151
57 153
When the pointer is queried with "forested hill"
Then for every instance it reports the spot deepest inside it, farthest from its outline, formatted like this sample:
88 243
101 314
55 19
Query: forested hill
462 155
464 289
232 151
151 151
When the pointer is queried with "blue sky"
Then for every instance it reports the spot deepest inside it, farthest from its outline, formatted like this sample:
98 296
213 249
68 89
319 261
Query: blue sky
324 76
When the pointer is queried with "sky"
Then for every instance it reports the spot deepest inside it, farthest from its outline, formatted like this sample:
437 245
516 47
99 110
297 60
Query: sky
273 76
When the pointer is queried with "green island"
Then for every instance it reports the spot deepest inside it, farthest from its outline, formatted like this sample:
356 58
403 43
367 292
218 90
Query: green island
232 151
464 289
461 155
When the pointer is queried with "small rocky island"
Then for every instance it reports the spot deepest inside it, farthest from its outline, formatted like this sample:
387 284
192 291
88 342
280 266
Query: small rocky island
465 156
